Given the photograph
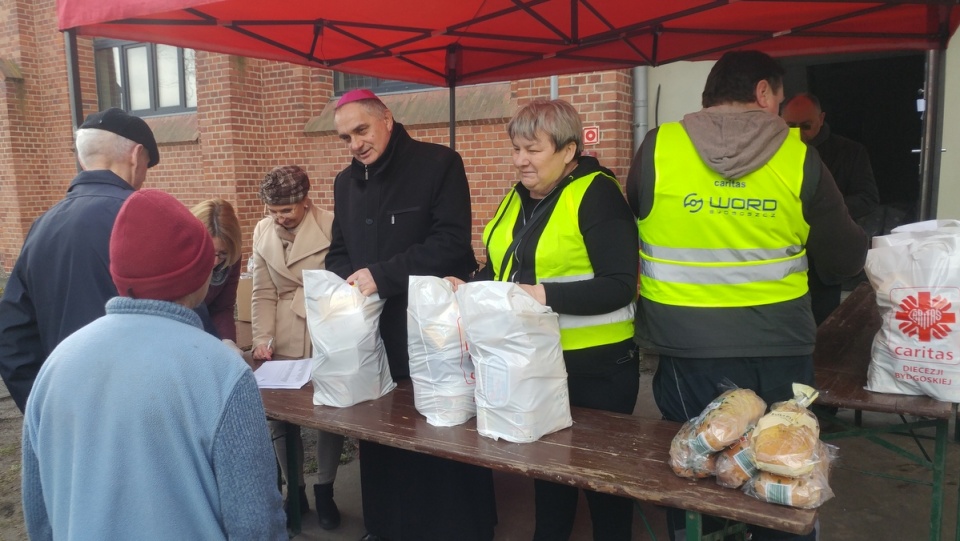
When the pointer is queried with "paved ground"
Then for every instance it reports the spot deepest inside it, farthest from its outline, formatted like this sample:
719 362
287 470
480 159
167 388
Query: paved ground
865 507
11 423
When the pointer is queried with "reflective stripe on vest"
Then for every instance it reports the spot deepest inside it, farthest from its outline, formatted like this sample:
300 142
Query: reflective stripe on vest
560 256
715 242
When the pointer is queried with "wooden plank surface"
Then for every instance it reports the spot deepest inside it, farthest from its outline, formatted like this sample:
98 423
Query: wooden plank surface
842 356
602 451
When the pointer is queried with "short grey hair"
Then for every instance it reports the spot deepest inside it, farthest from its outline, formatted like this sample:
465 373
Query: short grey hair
557 119
94 144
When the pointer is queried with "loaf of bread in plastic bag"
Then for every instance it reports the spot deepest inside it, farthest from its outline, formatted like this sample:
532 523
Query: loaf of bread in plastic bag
686 460
727 418
807 491
784 440
735 464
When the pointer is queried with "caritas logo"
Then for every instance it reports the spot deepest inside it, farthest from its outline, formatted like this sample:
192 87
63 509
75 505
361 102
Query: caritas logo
925 318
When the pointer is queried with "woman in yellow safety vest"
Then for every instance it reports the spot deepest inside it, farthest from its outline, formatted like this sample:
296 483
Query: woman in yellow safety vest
566 234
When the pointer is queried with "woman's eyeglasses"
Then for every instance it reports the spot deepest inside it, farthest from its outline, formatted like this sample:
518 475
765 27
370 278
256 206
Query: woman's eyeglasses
282 213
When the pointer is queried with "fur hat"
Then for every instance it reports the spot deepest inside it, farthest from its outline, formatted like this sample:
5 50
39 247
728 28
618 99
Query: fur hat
158 249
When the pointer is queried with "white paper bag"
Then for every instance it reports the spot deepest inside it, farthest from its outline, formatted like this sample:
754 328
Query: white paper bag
349 360
521 377
916 274
440 366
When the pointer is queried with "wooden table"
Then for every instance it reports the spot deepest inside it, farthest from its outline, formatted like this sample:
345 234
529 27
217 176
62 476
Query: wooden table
841 359
605 452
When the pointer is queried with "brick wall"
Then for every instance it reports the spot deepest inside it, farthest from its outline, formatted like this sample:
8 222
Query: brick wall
251 116
36 155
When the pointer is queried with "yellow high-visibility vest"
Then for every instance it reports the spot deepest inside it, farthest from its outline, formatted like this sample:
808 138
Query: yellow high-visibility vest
560 256
715 242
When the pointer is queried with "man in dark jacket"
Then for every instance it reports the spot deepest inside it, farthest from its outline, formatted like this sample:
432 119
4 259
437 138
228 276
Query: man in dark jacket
61 281
402 208
729 202
849 164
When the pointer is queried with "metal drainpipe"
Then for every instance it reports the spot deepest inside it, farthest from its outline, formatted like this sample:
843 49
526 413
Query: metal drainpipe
932 136
554 87
639 106
73 82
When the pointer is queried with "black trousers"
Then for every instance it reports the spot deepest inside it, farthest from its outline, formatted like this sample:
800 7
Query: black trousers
410 496
556 505
683 387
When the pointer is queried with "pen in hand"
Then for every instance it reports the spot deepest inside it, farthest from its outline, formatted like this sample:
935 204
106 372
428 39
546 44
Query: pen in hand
264 352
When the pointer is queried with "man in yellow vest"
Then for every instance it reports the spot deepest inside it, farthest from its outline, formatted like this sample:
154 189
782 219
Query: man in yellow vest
730 201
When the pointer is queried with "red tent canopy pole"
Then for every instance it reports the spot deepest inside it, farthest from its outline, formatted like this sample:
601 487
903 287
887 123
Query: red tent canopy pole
454 58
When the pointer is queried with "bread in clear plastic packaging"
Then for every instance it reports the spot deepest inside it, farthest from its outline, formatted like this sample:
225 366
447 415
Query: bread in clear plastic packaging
807 491
727 418
686 460
785 440
735 464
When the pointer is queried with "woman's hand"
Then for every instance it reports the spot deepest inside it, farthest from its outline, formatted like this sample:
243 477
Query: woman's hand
455 281
263 352
537 292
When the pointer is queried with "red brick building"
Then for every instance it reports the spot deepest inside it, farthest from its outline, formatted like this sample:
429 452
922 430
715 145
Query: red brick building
250 116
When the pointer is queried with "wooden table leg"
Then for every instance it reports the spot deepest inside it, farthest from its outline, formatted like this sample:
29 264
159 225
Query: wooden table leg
694 526
694 529
939 469
293 492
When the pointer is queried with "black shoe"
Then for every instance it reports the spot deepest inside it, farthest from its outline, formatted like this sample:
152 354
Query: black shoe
327 511
304 503
371 537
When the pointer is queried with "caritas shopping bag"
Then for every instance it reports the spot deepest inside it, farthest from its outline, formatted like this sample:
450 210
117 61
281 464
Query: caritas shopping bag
521 377
916 273
440 366
349 361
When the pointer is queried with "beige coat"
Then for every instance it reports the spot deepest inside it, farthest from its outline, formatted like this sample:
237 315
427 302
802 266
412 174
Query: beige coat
278 309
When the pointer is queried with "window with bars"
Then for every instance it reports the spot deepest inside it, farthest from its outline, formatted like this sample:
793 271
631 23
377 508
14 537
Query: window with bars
145 78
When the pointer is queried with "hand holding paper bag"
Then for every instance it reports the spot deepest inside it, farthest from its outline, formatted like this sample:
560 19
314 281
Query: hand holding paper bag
521 377
349 361
441 370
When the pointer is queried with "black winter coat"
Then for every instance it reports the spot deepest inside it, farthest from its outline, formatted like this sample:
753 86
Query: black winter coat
406 214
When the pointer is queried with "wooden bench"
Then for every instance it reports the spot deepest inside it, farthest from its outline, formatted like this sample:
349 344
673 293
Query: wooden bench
605 452
841 359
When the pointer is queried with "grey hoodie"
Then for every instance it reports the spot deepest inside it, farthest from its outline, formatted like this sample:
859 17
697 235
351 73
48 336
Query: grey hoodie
735 143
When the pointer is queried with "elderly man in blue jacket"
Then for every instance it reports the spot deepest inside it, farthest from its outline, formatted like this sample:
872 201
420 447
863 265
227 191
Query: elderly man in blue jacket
61 281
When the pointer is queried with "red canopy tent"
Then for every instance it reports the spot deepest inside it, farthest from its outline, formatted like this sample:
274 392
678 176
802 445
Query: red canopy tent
456 42
446 43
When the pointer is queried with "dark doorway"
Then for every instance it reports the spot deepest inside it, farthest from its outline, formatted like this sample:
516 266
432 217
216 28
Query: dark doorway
873 101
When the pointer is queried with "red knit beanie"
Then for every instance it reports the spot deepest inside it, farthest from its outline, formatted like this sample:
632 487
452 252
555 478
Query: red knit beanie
158 248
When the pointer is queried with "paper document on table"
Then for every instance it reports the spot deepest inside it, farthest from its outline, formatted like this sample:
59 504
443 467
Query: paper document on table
283 374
